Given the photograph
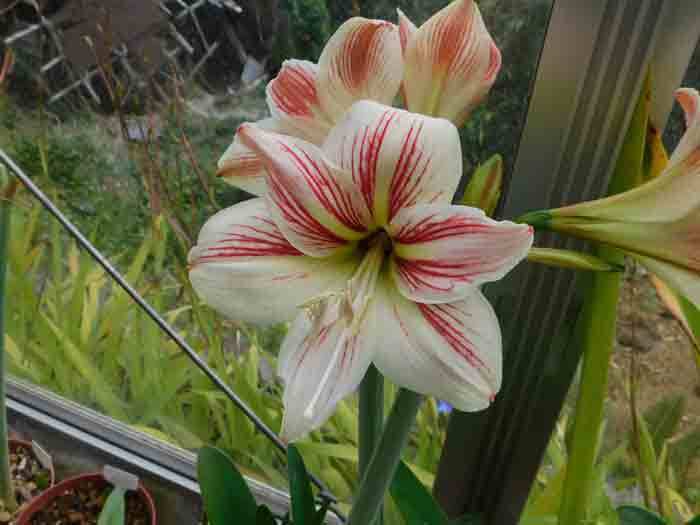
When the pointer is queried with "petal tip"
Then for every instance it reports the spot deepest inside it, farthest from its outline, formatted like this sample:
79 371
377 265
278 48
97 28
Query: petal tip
689 99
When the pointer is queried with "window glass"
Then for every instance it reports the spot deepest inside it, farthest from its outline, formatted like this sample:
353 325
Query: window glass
130 156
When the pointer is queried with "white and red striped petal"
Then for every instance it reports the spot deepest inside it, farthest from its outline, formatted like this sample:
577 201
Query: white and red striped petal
397 159
407 30
315 204
682 280
449 351
450 63
293 99
442 253
321 362
362 60
689 145
328 349
243 267
240 166
672 197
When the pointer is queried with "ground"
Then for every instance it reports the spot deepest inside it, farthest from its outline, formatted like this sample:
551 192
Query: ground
664 356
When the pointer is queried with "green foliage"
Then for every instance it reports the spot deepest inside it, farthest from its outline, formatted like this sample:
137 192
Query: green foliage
224 490
664 418
114 510
96 175
226 493
303 507
308 29
682 452
415 503
632 515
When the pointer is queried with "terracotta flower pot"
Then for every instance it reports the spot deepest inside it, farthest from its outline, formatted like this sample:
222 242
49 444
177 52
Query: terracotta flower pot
47 497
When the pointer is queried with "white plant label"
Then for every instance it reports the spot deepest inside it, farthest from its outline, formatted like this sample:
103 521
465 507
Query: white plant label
43 457
119 478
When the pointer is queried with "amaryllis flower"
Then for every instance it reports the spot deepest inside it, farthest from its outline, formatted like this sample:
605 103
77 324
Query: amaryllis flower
357 243
362 60
451 62
658 223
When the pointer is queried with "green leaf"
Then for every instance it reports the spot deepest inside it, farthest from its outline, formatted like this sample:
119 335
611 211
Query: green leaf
114 510
691 323
664 418
694 521
224 490
303 507
646 444
632 515
416 504
265 516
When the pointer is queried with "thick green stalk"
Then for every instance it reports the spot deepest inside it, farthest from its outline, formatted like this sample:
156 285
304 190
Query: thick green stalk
596 334
371 418
380 472
7 492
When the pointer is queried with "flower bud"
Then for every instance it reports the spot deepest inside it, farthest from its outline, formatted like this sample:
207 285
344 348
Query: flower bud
484 188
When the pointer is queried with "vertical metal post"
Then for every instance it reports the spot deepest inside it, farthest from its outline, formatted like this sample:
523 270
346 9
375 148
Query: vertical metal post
595 57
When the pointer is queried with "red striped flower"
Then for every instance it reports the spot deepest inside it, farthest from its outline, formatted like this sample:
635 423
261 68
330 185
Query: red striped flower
356 242
362 60
451 62
444 69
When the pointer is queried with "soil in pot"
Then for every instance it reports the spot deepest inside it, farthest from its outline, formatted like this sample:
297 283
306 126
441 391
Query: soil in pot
81 505
28 475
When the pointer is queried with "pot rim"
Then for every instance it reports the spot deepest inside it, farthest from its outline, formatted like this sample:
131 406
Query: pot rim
46 497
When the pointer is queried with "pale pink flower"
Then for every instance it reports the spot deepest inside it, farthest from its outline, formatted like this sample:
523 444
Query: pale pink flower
357 243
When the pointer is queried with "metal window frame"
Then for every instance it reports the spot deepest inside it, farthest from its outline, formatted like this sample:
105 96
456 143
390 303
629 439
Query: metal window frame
594 60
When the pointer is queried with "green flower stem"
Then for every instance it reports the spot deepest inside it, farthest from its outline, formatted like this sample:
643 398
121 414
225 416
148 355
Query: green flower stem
596 334
571 259
371 418
7 492
596 330
380 472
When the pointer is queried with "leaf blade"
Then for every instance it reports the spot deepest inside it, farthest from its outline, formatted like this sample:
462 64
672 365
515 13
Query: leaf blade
224 490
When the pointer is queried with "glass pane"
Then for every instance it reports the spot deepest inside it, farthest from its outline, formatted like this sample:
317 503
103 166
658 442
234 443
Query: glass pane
136 172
